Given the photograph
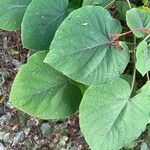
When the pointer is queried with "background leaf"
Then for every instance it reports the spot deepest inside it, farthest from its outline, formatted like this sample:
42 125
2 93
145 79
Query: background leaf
122 8
41 91
82 47
143 57
138 19
109 118
41 21
11 13
103 3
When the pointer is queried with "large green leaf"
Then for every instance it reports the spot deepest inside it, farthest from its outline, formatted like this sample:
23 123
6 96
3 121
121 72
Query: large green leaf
143 57
109 118
43 92
83 50
11 13
103 3
41 21
138 21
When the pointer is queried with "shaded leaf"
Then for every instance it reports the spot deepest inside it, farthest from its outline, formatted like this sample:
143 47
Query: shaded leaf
122 8
12 12
41 91
40 22
75 3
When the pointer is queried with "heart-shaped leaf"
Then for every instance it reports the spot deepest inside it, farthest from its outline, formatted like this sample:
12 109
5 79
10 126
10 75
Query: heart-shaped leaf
138 21
83 47
11 13
109 118
103 3
143 57
43 92
41 21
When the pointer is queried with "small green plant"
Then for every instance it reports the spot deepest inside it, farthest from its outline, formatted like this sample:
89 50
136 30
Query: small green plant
81 53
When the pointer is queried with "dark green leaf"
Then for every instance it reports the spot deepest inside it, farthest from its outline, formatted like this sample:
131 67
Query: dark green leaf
41 91
41 21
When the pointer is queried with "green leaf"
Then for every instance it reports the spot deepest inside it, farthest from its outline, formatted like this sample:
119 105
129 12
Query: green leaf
109 118
145 89
103 3
143 58
82 48
41 21
41 91
129 79
138 21
12 12
145 2
122 8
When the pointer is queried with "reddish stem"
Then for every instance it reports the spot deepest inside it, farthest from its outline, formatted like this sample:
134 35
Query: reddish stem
116 36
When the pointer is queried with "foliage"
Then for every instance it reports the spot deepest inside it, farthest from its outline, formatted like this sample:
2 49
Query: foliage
81 52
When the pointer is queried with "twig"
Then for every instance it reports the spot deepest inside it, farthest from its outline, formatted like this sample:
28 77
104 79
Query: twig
134 70
129 4
148 78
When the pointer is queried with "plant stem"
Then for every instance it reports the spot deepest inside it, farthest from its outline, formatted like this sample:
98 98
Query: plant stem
134 70
134 58
148 78
129 4
116 36
147 37
129 43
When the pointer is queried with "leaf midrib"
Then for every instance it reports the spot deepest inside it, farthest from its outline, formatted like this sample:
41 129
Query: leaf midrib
114 121
44 90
